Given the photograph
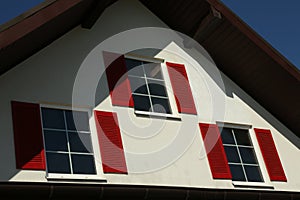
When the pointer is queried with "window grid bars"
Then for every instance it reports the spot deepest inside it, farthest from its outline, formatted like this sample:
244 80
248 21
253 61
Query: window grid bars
246 164
237 145
68 143
76 153
235 141
148 90
153 79
71 131
149 95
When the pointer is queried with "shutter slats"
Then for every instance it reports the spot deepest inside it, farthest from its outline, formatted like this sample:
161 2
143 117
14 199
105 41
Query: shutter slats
215 151
111 146
118 82
270 155
181 88
29 147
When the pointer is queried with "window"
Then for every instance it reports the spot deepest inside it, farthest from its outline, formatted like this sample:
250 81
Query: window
148 86
240 155
68 146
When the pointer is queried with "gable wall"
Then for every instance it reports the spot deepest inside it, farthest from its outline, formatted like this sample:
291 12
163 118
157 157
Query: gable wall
169 152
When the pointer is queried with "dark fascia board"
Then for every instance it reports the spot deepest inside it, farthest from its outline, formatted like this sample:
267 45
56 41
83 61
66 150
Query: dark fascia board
30 32
18 28
25 15
255 38
143 192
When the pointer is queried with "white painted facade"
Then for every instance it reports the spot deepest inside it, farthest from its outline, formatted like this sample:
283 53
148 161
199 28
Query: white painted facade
165 152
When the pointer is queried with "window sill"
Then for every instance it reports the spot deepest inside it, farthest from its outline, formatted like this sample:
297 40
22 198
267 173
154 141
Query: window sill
156 115
257 185
75 178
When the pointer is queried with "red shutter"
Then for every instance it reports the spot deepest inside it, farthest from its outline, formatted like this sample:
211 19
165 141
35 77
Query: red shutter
215 151
111 147
270 155
118 82
29 147
181 88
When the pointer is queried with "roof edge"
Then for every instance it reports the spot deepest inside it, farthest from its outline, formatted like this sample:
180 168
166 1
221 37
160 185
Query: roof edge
26 14
117 191
256 38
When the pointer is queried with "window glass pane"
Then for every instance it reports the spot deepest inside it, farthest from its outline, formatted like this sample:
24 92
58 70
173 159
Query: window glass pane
58 163
253 173
153 70
247 155
83 164
232 154
134 67
237 173
227 136
80 142
138 85
141 103
157 88
146 81
53 118
55 140
242 137
81 120
161 105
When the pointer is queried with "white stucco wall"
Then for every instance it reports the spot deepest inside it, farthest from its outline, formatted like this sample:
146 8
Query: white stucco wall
168 152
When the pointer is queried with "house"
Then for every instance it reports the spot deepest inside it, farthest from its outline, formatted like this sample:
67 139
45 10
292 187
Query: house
136 99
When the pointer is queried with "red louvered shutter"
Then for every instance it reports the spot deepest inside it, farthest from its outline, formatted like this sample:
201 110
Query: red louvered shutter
181 88
111 147
215 151
118 82
29 147
270 155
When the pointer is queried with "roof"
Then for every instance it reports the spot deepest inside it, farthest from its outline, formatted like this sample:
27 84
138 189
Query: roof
238 51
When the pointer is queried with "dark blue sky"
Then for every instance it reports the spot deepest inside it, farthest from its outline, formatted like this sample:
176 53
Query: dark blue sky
12 8
277 21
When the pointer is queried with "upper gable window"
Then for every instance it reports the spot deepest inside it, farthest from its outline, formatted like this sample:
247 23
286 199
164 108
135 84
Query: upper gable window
241 155
148 86
68 147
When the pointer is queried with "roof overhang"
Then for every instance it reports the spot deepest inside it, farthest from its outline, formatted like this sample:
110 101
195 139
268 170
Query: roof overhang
238 51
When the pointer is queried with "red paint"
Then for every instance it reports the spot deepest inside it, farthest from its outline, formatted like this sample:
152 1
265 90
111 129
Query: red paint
270 155
118 82
29 147
215 151
181 88
110 141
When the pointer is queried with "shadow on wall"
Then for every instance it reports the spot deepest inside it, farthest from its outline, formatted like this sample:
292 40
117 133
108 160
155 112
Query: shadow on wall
234 89
229 88
8 163
105 87
8 169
